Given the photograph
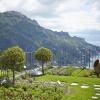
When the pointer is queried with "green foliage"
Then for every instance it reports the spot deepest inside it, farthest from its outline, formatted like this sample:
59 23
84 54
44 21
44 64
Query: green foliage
27 33
56 71
62 71
7 84
0 59
14 58
75 92
43 54
83 73
70 69
39 91
32 92
70 79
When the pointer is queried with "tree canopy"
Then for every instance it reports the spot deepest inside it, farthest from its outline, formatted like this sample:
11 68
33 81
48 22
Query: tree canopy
13 58
43 55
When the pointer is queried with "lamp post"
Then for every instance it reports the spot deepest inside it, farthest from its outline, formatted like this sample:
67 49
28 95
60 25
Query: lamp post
25 70
29 56
54 56
89 58
83 58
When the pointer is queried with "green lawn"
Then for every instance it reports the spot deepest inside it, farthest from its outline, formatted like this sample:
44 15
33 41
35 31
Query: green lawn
4 73
70 79
75 92
38 91
49 93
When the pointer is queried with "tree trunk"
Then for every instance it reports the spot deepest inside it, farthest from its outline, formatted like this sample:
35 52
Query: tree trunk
13 77
97 75
1 71
43 68
7 73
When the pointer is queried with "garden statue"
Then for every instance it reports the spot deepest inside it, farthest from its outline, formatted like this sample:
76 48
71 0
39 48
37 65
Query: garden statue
97 67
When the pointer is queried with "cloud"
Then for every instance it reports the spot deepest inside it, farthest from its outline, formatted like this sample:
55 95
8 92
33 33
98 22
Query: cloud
73 16
6 5
66 15
48 2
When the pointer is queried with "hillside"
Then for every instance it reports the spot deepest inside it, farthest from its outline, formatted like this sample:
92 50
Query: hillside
17 29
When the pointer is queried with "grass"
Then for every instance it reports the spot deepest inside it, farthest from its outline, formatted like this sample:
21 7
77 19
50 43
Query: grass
70 79
75 92
3 73
71 71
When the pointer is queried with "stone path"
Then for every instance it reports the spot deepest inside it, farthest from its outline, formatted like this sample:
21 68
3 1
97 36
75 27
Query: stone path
83 86
73 84
51 83
97 92
93 97
96 88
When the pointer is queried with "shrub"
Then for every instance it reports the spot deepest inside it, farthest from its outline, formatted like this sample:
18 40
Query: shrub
82 73
69 70
24 88
62 71
35 91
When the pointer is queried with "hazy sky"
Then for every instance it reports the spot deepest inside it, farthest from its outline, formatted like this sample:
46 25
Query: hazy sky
73 16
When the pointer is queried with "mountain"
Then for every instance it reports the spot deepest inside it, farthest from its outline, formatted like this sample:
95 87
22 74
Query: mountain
17 29
92 36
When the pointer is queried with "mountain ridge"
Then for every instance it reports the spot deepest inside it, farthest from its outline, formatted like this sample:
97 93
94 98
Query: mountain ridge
17 29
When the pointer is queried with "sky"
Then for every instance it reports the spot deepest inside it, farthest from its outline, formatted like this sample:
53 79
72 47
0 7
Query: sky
73 16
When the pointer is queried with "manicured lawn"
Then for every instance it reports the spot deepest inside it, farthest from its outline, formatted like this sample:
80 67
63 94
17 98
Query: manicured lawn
70 79
3 73
39 90
75 92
